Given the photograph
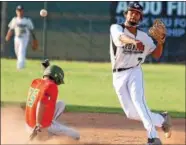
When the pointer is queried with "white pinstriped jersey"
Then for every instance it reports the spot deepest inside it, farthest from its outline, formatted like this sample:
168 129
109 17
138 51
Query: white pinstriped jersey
21 26
126 55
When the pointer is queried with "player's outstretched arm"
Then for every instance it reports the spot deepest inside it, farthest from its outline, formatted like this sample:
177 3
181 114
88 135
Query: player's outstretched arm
126 39
39 113
9 35
158 51
39 116
35 43
33 34
119 38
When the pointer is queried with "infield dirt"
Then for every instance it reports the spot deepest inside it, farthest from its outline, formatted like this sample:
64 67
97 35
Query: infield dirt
95 128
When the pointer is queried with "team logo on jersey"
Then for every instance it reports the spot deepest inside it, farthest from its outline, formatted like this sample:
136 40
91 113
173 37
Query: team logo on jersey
131 48
22 25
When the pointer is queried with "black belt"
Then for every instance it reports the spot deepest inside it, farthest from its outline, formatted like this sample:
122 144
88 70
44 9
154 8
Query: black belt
121 69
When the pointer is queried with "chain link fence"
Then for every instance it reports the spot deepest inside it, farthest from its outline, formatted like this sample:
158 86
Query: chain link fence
75 30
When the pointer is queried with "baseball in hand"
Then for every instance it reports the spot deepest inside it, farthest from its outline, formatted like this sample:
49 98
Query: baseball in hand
43 13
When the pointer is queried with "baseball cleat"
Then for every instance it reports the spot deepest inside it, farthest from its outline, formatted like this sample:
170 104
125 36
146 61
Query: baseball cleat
167 124
154 141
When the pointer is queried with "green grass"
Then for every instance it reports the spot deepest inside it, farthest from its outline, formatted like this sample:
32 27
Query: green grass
88 86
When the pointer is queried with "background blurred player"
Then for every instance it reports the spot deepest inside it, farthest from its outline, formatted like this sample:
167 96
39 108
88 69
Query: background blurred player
21 27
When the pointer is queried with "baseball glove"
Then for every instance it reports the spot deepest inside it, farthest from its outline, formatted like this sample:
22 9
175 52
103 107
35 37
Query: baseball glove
158 31
35 44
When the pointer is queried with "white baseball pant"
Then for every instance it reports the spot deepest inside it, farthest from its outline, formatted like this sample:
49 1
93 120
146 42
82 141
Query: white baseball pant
57 128
129 88
20 46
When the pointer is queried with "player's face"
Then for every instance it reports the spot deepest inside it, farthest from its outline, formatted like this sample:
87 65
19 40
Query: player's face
19 13
133 16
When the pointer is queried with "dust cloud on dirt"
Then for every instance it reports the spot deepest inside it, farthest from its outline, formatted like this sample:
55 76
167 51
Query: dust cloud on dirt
94 128
13 129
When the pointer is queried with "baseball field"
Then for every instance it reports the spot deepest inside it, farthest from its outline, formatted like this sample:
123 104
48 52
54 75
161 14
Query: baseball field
92 105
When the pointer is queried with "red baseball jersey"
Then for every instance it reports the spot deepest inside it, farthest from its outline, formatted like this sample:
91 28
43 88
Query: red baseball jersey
44 91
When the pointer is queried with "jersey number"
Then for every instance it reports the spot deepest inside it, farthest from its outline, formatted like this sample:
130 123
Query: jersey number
32 96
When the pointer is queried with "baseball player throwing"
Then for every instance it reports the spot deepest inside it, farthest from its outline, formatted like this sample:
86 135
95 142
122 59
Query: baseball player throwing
42 110
22 27
129 47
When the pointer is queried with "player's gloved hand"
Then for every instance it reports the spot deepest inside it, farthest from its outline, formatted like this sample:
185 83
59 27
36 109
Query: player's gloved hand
35 44
45 63
139 45
158 31
37 129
